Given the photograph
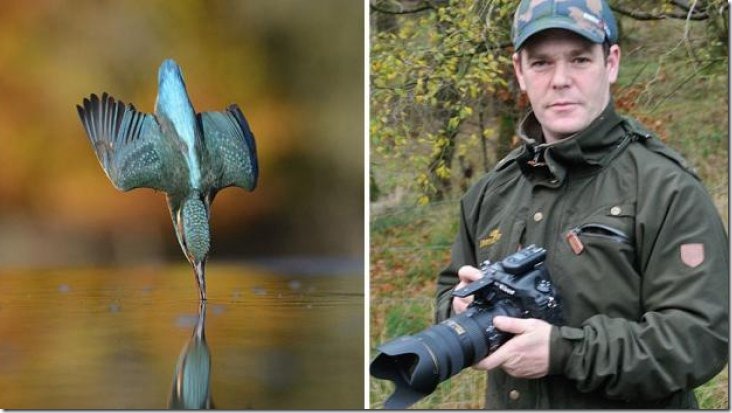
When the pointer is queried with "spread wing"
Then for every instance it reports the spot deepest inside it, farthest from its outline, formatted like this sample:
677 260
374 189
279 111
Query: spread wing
231 149
131 147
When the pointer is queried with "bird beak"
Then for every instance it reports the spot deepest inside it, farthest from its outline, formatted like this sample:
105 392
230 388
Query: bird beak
198 267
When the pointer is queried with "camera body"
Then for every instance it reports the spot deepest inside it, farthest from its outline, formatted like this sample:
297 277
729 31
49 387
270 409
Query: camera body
517 286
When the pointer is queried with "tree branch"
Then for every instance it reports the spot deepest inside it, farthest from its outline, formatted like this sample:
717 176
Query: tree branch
682 4
419 9
641 15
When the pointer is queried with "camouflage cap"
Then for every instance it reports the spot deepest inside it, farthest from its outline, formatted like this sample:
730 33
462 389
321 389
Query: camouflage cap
592 19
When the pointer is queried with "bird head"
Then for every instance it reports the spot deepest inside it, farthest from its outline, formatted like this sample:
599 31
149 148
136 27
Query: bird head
193 221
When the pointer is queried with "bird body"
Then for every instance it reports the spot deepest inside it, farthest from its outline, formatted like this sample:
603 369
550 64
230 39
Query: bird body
175 111
190 156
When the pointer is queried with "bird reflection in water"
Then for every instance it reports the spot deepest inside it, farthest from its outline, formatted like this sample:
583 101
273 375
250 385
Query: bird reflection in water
192 377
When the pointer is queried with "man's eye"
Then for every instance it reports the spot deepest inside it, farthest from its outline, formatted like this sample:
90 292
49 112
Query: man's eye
539 63
581 59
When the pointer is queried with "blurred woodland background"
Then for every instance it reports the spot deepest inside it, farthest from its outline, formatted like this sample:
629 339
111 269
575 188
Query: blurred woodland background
295 67
444 107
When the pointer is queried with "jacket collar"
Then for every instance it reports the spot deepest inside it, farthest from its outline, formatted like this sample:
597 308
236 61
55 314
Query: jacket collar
584 152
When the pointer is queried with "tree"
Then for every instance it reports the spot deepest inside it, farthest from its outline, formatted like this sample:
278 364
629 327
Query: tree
442 83
430 74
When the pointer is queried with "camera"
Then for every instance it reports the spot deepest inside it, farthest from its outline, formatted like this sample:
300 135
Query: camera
517 286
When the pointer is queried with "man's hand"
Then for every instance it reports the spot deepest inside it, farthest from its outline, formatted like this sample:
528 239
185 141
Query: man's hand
466 275
526 354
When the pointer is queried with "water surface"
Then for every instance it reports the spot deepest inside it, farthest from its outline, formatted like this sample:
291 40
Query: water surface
126 338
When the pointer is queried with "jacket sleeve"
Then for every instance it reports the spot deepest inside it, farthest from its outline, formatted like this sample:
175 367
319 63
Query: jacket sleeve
463 253
680 340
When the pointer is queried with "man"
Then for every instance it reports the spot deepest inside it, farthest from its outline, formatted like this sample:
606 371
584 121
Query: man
635 246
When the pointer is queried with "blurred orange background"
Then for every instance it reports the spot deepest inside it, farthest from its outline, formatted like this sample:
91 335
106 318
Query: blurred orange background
295 67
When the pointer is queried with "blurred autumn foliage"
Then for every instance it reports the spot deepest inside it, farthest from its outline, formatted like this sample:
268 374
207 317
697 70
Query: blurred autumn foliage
294 66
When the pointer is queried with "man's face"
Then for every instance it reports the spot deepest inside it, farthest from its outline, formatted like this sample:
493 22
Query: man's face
567 79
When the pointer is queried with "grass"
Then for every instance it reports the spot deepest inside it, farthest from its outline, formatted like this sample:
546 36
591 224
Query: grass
714 394
686 104
408 248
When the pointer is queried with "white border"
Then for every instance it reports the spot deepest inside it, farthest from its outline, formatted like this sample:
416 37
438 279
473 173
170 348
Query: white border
366 210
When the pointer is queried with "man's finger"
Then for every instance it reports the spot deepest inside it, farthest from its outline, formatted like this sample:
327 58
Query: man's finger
494 360
460 304
468 274
510 324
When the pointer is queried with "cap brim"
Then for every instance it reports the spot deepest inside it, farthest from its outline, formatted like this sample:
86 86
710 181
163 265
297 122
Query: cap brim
555 22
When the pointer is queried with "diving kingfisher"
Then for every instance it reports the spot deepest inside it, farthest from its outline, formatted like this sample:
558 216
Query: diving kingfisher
190 156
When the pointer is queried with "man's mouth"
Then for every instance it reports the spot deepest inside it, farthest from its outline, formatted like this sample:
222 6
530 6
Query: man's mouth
562 104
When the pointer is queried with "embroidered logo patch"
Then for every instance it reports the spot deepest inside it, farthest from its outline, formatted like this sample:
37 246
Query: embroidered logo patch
692 254
491 239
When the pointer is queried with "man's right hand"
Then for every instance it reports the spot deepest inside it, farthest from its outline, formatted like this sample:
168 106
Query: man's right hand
467 274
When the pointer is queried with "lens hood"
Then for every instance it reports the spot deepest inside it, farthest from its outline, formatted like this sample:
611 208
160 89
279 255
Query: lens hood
402 361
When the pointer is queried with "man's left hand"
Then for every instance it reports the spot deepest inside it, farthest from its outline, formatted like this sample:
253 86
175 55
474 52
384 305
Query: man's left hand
526 354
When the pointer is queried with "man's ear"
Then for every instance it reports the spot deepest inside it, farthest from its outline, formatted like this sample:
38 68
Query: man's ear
518 70
613 63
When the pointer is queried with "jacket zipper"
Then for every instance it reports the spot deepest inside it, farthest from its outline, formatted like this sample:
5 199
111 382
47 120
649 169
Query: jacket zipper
594 230
602 231
605 231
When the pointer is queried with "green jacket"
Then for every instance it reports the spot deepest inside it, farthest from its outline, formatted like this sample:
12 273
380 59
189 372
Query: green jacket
637 252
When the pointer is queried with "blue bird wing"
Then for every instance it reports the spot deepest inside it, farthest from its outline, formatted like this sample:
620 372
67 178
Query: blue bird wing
130 146
230 149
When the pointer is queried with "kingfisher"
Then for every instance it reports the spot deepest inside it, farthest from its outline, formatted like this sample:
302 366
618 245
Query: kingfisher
187 155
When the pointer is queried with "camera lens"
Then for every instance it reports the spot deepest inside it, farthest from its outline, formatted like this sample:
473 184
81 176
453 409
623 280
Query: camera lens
518 286
418 363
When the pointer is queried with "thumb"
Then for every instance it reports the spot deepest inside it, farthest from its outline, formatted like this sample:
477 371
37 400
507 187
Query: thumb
510 324
468 274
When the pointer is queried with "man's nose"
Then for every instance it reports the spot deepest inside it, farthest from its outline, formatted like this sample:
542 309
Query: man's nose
560 77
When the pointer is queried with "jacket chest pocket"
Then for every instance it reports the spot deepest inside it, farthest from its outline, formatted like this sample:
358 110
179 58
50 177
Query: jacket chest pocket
597 264
607 227
594 231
